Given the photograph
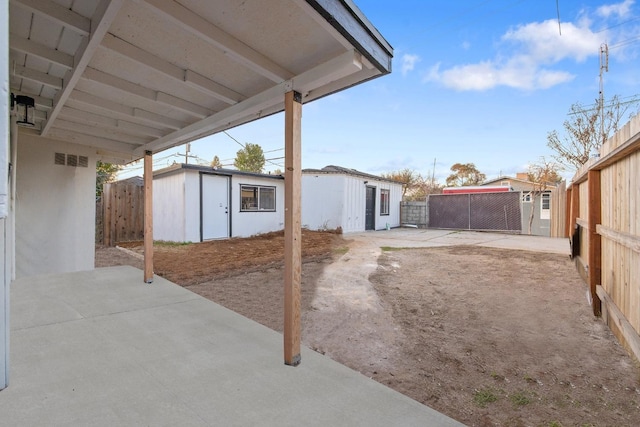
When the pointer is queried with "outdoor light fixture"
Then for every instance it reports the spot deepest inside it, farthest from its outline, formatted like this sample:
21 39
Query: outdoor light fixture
25 110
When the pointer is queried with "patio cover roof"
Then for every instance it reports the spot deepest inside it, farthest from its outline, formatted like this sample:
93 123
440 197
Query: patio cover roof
129 76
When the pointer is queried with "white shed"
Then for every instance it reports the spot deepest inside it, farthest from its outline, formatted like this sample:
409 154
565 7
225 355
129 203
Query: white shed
197 203
335 197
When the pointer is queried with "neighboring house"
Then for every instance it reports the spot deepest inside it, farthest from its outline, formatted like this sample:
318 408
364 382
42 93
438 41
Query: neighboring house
197 203
355 201
540 203
134 180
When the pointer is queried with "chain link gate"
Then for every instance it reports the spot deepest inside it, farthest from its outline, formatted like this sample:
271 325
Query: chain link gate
479 211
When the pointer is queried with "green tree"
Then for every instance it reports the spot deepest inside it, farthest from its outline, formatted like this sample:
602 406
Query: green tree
215 163
250 158
465 174
585 132
105 172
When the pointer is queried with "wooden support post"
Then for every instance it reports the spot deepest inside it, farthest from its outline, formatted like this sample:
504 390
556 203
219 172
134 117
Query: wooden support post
595 245
292 227
148 217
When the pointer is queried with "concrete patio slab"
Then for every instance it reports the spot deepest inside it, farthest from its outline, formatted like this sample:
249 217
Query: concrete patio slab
103 348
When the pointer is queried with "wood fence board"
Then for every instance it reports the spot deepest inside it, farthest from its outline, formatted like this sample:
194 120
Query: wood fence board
618 232
123 213
620 325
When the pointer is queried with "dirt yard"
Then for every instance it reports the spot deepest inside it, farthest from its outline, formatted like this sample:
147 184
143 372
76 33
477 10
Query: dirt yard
486 336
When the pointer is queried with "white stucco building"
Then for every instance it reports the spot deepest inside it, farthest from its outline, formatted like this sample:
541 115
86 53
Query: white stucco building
335 196
197 203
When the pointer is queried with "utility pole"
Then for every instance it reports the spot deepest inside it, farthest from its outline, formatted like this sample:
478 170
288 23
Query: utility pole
186 154
604 67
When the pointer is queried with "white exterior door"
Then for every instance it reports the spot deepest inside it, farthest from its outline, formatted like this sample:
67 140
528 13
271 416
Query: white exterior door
215 207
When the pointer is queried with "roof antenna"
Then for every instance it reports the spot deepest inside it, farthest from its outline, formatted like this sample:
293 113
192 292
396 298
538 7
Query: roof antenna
558 10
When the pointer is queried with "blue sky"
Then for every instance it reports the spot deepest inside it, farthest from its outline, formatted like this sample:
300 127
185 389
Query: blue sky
473 81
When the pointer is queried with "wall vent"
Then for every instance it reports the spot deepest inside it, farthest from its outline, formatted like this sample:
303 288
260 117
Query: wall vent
60 159
71 160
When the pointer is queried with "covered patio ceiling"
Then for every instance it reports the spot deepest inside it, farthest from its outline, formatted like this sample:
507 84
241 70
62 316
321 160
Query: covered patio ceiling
133 76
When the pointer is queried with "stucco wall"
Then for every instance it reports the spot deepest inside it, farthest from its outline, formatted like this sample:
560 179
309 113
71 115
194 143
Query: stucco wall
539 227
6 246
55 208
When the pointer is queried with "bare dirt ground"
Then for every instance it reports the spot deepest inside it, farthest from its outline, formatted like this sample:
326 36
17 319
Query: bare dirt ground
486 336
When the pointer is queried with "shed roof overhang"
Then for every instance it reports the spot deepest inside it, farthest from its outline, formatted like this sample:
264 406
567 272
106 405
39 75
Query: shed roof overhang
130 76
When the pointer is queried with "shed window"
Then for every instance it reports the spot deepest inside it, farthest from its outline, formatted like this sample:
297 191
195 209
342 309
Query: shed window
526 197
257 198
384 202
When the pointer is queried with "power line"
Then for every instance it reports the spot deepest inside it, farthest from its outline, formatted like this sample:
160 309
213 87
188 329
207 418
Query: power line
633 99
625 42
616 25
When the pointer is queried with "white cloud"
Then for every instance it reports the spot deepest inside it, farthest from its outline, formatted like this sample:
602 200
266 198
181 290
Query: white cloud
534 48
409 63
619 9
488 75
542 42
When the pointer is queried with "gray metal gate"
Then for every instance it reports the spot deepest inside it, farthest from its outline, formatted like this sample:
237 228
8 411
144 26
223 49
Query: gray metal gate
480 211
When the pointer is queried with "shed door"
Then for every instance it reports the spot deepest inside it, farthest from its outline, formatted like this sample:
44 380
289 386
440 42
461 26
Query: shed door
370 213
214 220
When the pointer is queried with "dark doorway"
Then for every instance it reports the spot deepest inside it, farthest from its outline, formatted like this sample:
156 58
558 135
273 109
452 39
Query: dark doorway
370 212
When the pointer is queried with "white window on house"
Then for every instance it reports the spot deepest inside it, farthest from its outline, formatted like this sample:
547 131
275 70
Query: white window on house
526 197
257 198
545 206
384 202
505 183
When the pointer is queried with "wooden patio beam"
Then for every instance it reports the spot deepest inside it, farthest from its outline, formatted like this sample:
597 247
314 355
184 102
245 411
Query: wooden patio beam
292 227
148 217
595 241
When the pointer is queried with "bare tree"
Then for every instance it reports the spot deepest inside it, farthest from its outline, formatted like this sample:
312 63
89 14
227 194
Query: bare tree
543 175
408 177
585 132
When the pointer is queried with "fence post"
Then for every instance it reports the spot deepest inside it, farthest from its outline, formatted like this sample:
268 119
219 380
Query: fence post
106 216
595 244
567 215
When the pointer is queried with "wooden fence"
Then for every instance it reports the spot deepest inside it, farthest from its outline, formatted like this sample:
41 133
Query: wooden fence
122 207
603 204
558 226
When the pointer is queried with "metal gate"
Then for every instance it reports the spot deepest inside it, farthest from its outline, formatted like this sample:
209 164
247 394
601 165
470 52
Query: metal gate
480 211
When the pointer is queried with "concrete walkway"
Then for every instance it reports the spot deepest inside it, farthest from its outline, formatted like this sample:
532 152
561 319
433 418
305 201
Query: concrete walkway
103 348
422 238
